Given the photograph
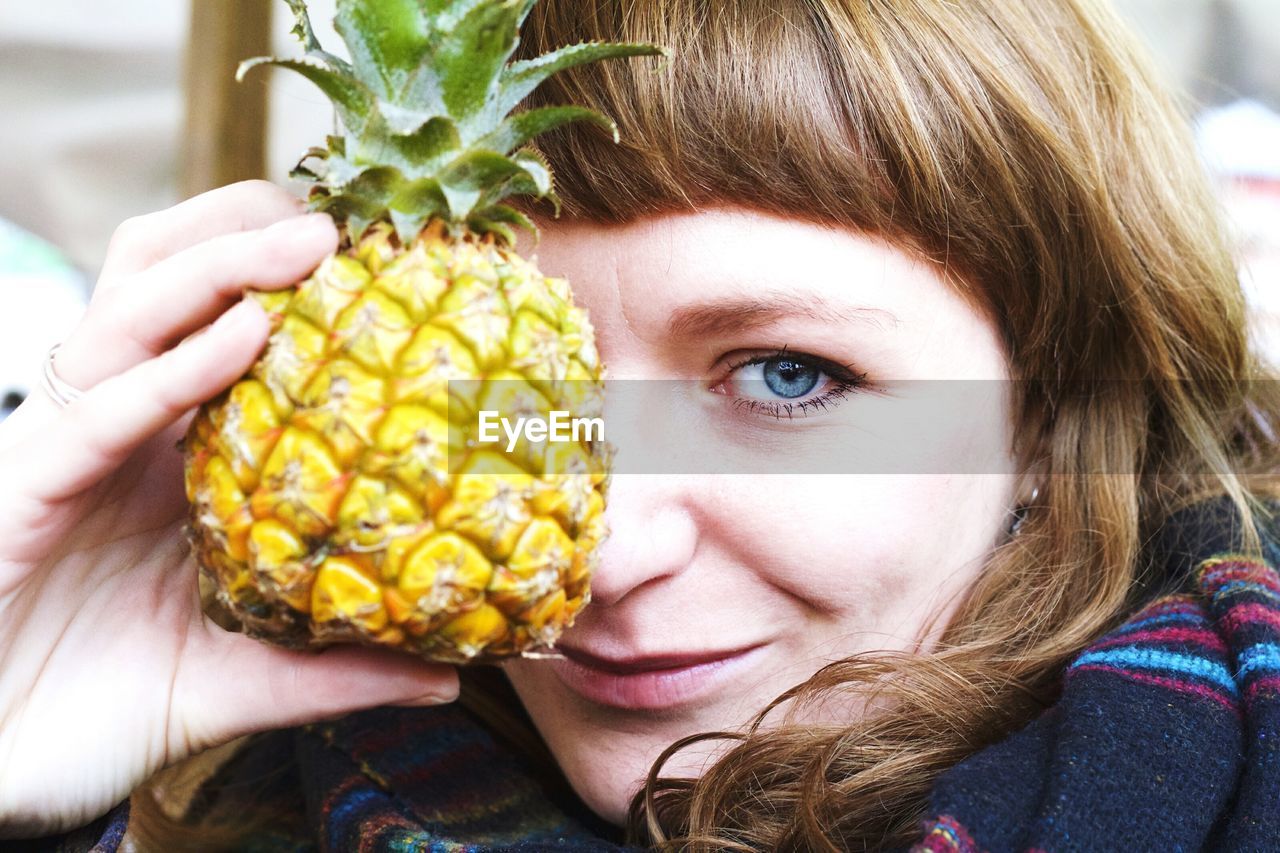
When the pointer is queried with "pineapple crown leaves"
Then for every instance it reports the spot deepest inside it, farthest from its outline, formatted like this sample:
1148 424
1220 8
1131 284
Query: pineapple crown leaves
427 104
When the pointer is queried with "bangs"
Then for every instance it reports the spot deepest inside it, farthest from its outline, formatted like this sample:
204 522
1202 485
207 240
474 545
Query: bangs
745 112
921 121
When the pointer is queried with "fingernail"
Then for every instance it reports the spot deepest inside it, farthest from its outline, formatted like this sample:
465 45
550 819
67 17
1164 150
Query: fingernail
438 694
310 226
319 223
429 700
241 314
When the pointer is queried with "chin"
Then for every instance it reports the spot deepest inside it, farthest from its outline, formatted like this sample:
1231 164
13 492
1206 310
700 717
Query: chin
605 754
608 804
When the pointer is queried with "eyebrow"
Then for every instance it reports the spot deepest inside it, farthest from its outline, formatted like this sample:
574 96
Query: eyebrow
724 317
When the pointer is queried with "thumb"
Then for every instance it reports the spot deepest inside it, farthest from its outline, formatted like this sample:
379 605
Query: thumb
238 685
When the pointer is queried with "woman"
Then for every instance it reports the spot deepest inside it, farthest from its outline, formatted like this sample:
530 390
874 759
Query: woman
819 209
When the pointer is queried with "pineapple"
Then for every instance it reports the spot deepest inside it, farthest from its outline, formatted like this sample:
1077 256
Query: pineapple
339 491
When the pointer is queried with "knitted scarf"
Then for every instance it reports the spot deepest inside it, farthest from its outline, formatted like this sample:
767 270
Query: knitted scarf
1166 737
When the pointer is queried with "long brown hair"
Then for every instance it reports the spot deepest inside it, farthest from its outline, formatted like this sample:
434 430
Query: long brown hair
1026 149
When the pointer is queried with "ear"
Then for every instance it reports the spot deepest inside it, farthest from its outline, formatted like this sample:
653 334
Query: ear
1031 485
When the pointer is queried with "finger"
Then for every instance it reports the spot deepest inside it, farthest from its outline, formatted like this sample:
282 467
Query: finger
142 241
239 685
186 291
98 432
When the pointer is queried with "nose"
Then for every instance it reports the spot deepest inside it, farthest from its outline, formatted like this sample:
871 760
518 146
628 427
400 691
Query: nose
652 536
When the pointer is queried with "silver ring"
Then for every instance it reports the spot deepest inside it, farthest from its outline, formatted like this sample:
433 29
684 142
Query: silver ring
54 385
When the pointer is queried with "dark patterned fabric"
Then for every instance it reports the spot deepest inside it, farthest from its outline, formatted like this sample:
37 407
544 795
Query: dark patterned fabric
1166 738
401 779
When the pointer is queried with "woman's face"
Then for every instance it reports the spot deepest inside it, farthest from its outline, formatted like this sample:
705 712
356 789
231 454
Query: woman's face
715 593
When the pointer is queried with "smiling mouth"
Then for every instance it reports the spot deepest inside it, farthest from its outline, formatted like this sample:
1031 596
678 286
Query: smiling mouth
651 663
651 682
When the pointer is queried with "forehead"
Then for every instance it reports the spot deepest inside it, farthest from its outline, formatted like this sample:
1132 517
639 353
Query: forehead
715 276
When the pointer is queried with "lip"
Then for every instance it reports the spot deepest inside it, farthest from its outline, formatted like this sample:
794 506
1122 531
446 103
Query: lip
650 682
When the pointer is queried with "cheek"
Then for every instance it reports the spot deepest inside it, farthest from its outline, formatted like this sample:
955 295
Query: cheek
865 548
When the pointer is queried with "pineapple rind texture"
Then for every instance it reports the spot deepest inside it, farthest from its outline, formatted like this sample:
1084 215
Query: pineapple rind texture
338 491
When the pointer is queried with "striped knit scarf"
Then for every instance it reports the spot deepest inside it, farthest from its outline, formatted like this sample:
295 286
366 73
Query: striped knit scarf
1166 737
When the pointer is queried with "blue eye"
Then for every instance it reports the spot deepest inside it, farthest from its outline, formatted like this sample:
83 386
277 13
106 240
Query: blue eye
789 378
779 378
788 385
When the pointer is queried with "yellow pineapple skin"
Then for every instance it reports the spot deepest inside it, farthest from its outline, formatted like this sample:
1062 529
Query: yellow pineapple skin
339 492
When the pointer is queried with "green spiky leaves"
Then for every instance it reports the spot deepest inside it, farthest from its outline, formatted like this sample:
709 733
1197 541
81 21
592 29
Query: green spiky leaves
427 104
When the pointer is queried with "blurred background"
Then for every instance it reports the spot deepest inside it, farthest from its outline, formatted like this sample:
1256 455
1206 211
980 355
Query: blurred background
117 109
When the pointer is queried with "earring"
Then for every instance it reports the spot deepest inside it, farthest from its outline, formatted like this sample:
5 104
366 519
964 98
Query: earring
1020 514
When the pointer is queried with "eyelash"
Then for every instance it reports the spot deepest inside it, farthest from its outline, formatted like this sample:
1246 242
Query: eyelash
846 381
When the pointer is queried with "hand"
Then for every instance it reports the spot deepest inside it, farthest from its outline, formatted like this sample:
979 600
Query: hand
108 669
